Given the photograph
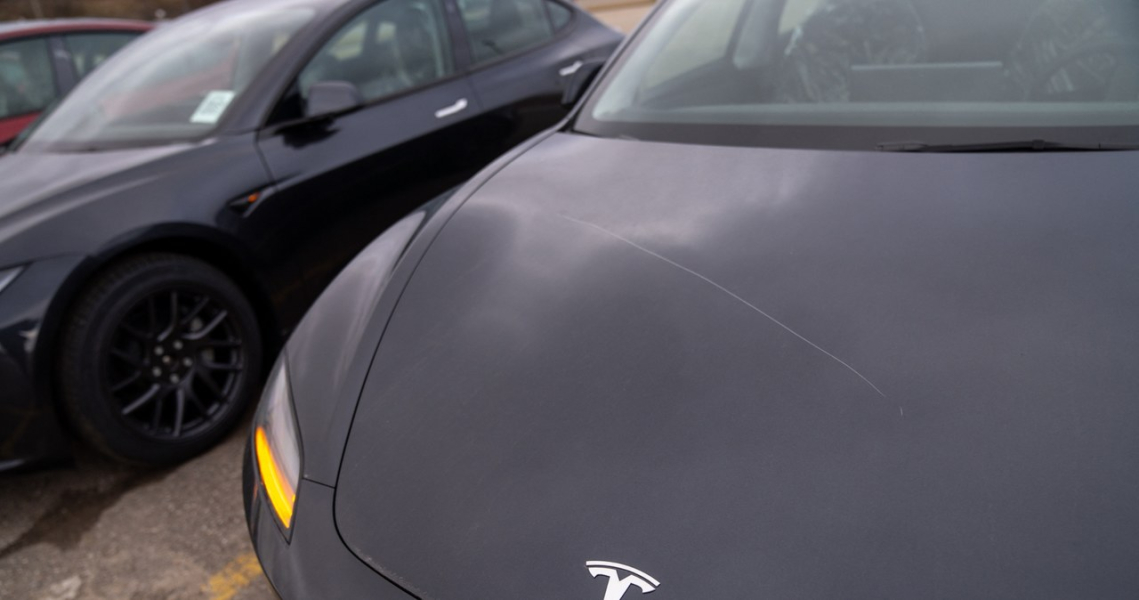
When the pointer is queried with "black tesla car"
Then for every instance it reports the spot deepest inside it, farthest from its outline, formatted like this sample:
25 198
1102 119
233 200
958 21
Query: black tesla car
808 299
176 215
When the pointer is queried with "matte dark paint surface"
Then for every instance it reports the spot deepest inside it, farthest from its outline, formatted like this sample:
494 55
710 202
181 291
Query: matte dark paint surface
761 374
328 187
288 566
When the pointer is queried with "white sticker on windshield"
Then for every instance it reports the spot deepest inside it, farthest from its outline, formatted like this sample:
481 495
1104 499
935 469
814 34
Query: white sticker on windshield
212 108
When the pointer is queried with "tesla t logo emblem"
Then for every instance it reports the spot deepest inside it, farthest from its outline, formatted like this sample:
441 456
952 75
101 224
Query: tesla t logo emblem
618 585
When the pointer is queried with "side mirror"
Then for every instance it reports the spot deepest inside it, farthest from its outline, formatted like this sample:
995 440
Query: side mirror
332 97
580 81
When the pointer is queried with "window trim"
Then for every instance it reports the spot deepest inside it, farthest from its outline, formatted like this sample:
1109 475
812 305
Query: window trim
55 81
550 15
267 128
66 75
557 36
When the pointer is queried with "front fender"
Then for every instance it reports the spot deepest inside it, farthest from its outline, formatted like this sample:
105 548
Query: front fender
30 430
330 350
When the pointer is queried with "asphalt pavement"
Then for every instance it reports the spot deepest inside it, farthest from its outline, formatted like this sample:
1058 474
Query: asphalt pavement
98 530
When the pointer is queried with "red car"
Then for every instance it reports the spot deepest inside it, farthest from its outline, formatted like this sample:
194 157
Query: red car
42 60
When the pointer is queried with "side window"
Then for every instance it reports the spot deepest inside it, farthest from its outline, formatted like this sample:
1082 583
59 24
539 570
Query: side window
390 47
500 27
559 15
27 82
89 50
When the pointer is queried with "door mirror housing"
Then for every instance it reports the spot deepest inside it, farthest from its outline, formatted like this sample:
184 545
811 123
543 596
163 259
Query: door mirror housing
327 98
580 81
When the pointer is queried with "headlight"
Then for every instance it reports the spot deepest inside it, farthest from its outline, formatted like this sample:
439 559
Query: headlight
8 276
277 446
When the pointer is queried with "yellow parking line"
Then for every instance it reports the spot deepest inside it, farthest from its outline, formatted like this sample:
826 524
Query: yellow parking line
234 577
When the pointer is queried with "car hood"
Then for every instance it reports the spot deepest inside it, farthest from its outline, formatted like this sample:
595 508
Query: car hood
77 203
28 179
756 373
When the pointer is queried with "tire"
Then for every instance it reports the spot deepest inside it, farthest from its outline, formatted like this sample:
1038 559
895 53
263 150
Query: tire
159 359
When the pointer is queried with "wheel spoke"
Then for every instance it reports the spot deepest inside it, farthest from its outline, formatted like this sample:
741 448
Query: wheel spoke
213 366
209 327
194 312
211 385
124 384
147 396
152 315
157 419
193 396
179 411
220 344
127 358
173 326
135 332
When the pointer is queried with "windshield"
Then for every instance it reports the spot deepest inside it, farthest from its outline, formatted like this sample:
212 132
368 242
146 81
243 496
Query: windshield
174 84
867 74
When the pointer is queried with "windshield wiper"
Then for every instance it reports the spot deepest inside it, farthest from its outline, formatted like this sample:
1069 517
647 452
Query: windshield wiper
1013 146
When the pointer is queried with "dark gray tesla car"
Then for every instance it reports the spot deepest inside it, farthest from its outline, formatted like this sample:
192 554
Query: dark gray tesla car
807 299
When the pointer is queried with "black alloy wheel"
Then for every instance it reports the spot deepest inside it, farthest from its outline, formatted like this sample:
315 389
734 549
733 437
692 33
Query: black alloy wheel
160 359
175 362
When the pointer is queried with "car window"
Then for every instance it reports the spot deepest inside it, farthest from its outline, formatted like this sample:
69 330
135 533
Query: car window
174 84
392 46
500 27
559 15
698 44
349 44
864 74
89 50
27 82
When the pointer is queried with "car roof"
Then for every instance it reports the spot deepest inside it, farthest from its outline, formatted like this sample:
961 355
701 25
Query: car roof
42 26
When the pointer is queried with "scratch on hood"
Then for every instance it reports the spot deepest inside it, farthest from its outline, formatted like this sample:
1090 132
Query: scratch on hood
728 292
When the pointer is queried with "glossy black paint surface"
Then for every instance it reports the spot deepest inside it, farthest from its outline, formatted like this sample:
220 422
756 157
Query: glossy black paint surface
326 188
763 373
29 429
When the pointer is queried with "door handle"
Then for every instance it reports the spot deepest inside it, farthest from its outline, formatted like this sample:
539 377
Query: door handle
455 108
570 70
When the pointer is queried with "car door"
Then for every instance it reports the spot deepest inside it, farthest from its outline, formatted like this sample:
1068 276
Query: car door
27 83
342 179
522 55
